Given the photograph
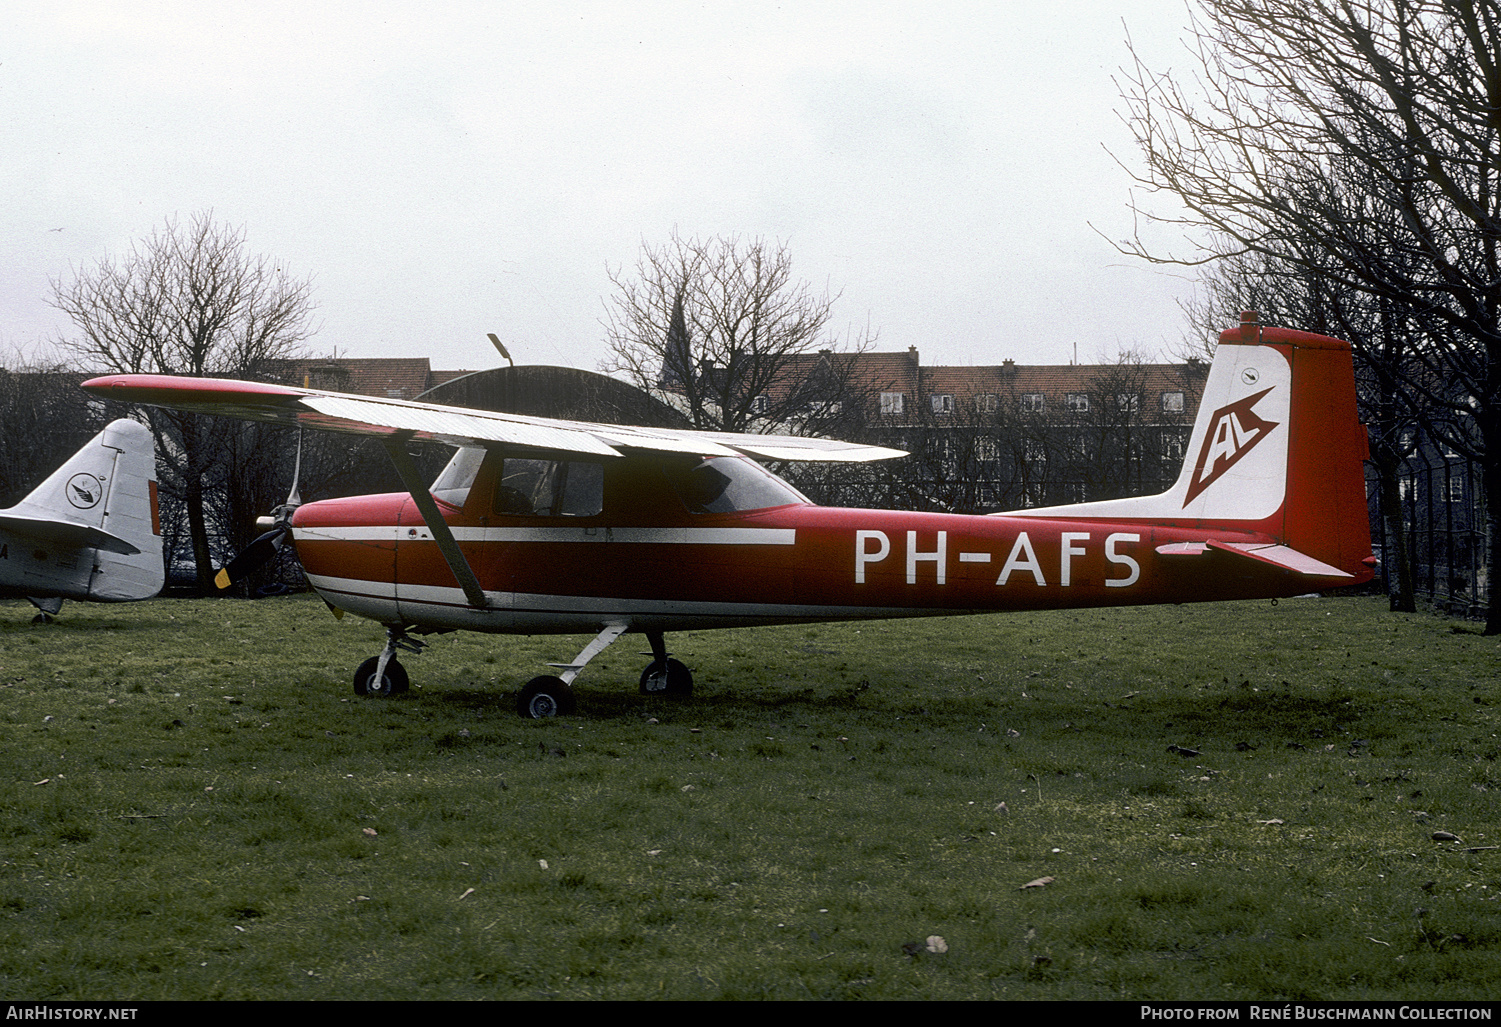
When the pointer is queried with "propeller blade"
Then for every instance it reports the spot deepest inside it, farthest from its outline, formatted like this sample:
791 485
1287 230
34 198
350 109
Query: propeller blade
251 557
293 499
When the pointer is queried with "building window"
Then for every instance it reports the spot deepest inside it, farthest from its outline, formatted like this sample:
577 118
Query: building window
1173 447
943 404
1172 402
988 403
891 402
987 450
1128 402
940 452
1077 402
1032 403
759 405
1454 489
1034 453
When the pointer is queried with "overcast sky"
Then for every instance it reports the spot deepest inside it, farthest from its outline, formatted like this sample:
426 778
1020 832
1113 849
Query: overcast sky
449 169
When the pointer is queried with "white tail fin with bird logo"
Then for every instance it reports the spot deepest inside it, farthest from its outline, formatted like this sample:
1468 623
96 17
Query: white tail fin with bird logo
91 530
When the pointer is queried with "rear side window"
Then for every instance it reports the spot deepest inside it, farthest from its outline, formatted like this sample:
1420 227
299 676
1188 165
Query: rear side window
729 484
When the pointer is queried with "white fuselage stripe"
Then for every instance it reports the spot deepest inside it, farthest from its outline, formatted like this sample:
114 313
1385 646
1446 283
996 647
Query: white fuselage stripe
522 606
658 536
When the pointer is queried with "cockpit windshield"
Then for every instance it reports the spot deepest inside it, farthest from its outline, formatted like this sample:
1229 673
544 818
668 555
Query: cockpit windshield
730 484
453 484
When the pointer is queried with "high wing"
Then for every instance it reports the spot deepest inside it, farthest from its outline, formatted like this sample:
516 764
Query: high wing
458 426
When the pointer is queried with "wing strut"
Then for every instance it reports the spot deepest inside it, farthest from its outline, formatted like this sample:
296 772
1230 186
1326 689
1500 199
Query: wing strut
433 517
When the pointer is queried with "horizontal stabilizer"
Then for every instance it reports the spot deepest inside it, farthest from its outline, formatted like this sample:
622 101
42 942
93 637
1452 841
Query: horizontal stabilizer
66 533
1283 557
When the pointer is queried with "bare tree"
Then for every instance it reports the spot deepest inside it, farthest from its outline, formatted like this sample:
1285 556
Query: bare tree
189 300
44 419
1357 141
722 324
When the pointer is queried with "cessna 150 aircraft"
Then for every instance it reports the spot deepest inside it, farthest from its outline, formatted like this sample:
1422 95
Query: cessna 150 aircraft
91 530
539 526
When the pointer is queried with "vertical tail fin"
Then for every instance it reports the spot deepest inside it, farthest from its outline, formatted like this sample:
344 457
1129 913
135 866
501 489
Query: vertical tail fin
1276 449
103 498
130 511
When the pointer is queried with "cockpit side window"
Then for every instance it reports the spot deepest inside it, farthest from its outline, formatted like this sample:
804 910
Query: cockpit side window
728 485
549 488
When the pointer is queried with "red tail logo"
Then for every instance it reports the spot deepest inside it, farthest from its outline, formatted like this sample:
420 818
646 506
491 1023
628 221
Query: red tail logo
1233 432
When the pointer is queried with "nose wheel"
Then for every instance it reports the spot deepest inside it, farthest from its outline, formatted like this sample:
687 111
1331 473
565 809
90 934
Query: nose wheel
393 682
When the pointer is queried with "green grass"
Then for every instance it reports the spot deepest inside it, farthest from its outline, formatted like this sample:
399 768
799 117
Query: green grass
194 805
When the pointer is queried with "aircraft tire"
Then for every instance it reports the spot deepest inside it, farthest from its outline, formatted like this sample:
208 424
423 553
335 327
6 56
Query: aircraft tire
678 683
544 697
394 682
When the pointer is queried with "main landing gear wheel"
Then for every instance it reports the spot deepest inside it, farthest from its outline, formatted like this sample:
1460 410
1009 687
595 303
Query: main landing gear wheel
543 697
667 677
393 682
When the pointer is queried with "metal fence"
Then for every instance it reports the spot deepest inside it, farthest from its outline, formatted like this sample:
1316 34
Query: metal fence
1444 517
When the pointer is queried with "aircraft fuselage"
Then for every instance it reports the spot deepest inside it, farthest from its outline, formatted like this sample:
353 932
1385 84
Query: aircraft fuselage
644 559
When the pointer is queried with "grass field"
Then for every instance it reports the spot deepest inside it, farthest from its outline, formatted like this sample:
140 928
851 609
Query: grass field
1234 801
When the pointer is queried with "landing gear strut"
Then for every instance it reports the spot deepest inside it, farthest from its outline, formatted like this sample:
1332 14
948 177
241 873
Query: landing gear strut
541 697
549 696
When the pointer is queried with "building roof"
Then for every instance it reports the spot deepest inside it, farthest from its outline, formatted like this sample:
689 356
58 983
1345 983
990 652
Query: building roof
385 377
873 374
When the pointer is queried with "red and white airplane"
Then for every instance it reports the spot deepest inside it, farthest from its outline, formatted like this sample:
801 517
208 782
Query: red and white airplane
91 531
540 526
